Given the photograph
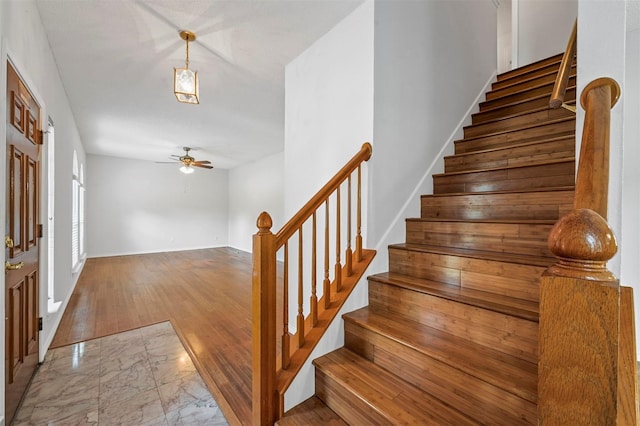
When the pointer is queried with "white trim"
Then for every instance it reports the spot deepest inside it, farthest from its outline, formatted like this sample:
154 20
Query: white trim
58 315
437 158
515 18
3 186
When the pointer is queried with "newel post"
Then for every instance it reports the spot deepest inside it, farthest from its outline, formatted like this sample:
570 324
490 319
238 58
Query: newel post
264 404
579 325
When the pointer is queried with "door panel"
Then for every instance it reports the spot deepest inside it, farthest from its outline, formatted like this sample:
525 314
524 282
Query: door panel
21 253
31 314
31 198
16 200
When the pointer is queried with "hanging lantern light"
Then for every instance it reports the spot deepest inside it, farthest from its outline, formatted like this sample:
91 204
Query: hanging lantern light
185 81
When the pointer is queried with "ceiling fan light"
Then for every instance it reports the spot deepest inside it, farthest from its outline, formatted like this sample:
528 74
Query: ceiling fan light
186 169
185 85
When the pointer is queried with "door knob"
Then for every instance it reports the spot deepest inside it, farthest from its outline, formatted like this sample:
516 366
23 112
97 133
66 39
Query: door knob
8 242
13 266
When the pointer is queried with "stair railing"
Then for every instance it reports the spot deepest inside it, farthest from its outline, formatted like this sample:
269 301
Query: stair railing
587 366
278 358
564 72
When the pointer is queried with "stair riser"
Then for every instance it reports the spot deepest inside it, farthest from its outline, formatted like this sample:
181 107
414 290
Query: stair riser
517 156
550 205
521 96
344 403
549 78
500 332
529 239
517 137
510 279
519 107
480 400
516 122
521 178
537 68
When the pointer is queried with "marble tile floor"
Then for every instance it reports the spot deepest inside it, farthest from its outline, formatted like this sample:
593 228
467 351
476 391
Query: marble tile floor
139 377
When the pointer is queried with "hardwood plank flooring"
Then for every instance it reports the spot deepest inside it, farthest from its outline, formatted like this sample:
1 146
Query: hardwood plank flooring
206 294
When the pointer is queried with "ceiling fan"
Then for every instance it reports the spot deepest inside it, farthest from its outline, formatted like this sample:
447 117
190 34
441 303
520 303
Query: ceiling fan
188 162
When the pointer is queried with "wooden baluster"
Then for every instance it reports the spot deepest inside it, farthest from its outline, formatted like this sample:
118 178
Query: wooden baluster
264 406
359 219
349 254
326 284
300 317
592 180
285 311
314 275
338 269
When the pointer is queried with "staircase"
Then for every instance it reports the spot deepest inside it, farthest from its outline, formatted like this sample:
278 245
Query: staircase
450 336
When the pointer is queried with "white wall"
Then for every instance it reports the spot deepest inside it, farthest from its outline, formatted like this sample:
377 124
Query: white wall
432 59
328 106
630 233
24 42
505 39
143 207
254 188
542 28
328 116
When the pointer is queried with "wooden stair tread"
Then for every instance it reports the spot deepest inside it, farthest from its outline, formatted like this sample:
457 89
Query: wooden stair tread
488 193
479 254
493 104
525 78
493 221
507 117
542 87
516 145
497 368
515 73
390 397
489 111
540 163
519 308
515 129
310 413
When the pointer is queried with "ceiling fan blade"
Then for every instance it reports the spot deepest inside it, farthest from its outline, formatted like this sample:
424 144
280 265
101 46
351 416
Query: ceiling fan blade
175 156
168 162
202 162
204 166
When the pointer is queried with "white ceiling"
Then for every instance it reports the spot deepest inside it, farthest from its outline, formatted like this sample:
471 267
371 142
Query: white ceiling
116 59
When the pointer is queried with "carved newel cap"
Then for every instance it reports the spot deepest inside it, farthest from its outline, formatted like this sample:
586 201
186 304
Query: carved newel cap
583 242
264 223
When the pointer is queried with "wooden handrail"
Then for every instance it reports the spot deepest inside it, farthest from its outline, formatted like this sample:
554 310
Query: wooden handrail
273 373
562 79
317 200
592 181
586 371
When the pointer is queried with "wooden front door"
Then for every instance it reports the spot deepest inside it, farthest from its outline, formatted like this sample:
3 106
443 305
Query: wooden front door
21 240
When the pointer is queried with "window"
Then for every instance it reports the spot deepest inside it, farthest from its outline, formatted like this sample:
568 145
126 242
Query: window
77 214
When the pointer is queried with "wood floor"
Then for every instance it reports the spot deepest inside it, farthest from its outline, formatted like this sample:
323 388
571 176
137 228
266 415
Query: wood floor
205 293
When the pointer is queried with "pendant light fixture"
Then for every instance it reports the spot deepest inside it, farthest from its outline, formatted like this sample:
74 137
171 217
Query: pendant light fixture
185 81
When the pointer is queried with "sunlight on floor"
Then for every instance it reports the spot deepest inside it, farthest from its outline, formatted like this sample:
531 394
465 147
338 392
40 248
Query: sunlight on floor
139 377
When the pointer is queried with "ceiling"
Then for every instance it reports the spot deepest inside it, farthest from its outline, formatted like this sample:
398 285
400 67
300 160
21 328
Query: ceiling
116 60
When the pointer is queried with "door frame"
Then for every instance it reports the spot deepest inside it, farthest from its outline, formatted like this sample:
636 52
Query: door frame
7 54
